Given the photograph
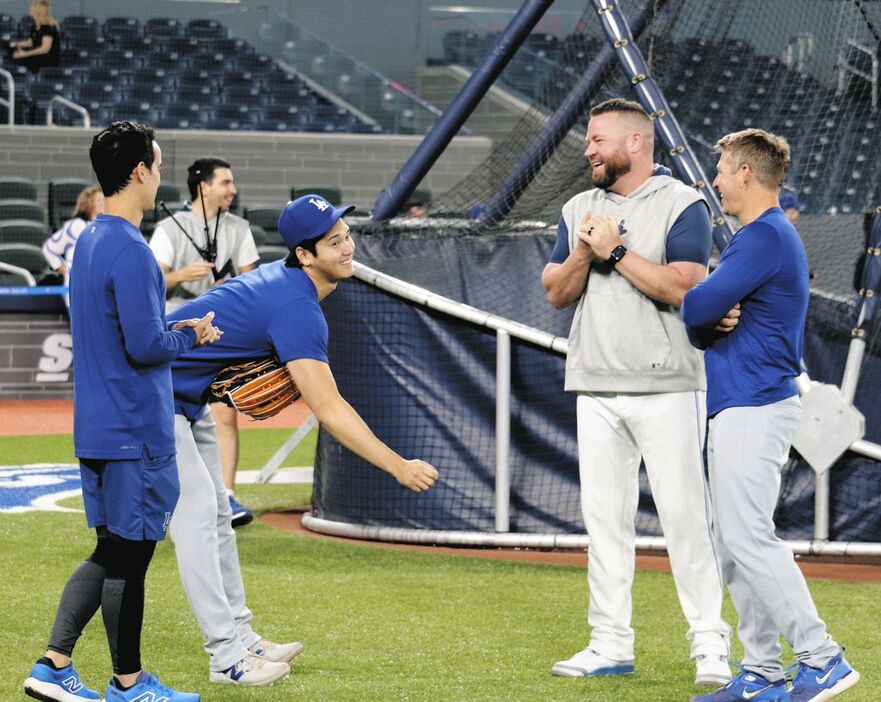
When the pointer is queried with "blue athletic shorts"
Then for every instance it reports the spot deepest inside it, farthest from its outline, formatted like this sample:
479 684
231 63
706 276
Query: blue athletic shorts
134 499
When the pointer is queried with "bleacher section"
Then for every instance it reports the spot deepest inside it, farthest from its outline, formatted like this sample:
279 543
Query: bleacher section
170 75
714 90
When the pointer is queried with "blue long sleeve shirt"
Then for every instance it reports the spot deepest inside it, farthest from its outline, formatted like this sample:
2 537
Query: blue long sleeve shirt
122 347
765 269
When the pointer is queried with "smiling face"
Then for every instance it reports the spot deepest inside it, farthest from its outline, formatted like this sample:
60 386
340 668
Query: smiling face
607 150
220 190
728 184
334 254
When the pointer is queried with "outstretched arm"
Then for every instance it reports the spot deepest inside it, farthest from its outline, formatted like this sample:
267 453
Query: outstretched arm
318 387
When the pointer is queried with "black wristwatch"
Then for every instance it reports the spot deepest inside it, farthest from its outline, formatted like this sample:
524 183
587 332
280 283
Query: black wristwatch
617 254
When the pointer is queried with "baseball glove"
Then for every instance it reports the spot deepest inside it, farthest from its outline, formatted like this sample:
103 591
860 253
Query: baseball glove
259 388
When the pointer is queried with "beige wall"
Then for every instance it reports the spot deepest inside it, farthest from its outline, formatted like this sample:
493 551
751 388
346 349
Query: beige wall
265 164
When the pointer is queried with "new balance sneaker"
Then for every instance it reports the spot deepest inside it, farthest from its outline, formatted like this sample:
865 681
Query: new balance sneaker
748 686
252 670
147 687
283 653
711 670
816 685
241 515
590 663
57 685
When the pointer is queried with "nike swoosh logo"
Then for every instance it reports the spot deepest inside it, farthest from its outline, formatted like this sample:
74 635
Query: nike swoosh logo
822 680
750 695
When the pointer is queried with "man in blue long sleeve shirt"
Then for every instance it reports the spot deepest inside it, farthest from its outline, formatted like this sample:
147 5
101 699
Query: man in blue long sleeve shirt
123 422
749 315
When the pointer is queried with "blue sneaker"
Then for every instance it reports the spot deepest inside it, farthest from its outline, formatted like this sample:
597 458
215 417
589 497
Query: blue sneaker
241 515
816 685
148 689
51 685
748 686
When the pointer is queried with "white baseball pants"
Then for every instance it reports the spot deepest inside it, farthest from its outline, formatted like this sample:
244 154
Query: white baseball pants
667 431
746 451
205 544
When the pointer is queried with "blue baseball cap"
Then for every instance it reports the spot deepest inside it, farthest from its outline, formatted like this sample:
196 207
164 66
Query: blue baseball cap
307 217
790 201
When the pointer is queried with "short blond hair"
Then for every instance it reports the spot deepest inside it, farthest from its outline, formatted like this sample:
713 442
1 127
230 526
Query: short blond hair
765 153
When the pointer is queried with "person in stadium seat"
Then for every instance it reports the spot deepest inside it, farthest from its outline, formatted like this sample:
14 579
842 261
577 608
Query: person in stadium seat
273 311
626 252
43 47
198 249
754 410
123 424
58 249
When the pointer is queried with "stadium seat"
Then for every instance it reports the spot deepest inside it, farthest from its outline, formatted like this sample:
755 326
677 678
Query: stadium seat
7 24
205 29
185 116
263 216
333 195
20 209
163 28
28 257
23 231
185 46
63 193
258 64
123 30
17 188
261 238
168 193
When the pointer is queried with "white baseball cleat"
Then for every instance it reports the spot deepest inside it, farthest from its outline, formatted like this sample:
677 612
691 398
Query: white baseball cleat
589 663
251 670
278 653
711 670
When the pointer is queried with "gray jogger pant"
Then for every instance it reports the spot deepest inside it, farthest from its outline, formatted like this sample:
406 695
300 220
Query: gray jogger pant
747 448
205 544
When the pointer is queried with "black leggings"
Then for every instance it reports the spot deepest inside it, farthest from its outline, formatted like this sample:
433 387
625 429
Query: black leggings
112 578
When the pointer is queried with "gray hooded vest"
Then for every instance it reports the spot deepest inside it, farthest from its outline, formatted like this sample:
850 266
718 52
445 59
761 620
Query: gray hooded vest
621 340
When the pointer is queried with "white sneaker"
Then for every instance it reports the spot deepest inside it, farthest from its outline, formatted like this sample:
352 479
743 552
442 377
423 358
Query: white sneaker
278 653
589 663
711 670
251 670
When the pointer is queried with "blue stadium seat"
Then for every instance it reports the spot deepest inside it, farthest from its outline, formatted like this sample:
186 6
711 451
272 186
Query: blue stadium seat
80 34
163 28
248 93
185 46
7 24
232 47
185 116
155 93
123 29
258 64
123 59
214 62
163 58
205 29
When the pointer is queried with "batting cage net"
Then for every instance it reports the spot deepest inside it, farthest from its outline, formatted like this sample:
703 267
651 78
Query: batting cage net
426 381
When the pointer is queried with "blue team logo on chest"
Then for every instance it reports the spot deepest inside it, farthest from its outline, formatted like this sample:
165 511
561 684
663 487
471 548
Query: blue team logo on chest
37 487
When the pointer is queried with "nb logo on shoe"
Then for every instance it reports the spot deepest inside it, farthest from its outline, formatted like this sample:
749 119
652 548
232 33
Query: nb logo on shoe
72 684
151 697
320 204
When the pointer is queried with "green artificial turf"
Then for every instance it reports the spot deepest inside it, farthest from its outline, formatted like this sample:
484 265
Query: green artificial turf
383 624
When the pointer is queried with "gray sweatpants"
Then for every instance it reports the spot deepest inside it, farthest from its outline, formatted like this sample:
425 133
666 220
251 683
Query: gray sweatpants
747 448
205 544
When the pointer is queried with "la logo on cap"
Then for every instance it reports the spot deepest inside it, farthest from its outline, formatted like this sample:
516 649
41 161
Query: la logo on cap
320 204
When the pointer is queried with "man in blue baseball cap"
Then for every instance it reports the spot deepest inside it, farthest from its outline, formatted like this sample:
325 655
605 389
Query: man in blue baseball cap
271 311
791 205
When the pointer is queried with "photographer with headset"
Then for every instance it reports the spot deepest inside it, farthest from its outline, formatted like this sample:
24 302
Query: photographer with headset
198 249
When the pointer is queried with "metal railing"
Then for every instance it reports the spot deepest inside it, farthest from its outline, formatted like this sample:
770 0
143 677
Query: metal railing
9 103
506 330
71 105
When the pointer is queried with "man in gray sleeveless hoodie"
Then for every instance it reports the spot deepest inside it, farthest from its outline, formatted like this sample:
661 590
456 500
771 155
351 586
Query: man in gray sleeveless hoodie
627 251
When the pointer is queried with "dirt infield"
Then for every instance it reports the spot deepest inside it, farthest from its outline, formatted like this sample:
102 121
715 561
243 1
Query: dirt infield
290 521
30 417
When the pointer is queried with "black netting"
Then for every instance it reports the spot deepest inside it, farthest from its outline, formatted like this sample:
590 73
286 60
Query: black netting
425 383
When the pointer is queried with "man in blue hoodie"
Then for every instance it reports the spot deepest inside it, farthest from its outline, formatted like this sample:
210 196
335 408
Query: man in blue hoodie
626 253
754 412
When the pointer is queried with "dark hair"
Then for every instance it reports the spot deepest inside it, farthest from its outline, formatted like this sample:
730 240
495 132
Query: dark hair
619 105
202 171
117 150
309 244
